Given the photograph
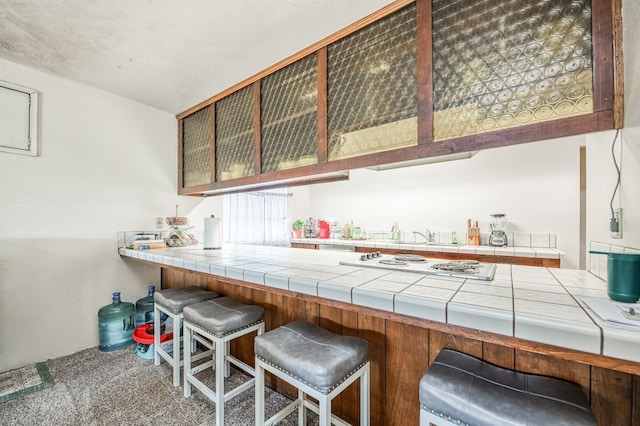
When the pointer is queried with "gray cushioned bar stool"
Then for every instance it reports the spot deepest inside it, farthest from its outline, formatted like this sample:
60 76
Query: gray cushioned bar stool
171 302
459 389
219 320
318 363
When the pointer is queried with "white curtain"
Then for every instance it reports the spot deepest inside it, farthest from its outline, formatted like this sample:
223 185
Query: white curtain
257 217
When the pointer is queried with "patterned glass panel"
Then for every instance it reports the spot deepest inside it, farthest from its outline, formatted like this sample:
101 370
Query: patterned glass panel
372 88
505 63
196 167
234 135
289 107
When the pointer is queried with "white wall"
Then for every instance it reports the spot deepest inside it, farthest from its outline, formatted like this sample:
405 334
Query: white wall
300 206
535 184
601 181
106 164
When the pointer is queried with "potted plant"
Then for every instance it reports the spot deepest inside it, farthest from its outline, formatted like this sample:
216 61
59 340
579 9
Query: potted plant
297 228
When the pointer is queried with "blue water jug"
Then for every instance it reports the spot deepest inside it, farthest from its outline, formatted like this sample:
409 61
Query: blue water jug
144 308
116 324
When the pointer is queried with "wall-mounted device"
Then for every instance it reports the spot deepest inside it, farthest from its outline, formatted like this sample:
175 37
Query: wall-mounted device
616 224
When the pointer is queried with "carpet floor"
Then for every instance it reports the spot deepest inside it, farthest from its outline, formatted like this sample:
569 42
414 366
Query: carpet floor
92 387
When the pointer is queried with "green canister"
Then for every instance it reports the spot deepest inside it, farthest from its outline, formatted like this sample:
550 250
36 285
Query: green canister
623 276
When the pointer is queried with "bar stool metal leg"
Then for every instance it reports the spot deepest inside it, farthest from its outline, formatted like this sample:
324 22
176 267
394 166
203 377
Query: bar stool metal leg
172 358
259 395
221 373
302 412
156 334
325 411
364 396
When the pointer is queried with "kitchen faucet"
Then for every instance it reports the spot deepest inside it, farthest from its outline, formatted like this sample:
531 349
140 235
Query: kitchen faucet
428 235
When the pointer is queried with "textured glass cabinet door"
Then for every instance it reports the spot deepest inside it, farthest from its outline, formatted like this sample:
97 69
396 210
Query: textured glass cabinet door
289 109
234 135
372 88
505 63
196 135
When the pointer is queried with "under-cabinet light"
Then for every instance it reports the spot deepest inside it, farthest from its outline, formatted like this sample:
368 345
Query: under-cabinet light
426 160
301 180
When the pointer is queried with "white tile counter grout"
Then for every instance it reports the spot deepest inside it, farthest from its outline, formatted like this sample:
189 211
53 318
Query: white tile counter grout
539 304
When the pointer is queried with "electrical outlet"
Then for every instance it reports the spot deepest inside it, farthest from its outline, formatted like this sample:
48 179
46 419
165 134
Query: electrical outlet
617 218
159 223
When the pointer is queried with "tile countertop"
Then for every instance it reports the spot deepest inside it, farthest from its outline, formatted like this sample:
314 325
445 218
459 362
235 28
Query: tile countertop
543 305
536 252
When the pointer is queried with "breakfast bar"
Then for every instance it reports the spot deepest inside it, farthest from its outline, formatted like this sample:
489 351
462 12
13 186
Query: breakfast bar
530 319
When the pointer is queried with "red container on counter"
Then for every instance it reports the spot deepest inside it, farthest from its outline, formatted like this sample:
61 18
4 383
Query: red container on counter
323 228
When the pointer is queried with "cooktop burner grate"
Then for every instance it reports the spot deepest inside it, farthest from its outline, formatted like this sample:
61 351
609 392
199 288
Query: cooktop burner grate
394 262
410 258
458 266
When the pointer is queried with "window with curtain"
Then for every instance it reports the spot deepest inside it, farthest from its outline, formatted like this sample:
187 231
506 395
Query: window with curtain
259 217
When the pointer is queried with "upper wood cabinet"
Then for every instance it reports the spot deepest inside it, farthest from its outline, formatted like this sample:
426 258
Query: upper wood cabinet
416 79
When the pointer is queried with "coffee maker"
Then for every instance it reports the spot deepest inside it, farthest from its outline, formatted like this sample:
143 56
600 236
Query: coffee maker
498 225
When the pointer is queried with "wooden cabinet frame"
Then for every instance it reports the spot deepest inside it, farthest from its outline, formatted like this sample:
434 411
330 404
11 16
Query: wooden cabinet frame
607 98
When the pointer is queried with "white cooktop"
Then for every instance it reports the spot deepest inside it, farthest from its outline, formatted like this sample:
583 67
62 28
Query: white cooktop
467 269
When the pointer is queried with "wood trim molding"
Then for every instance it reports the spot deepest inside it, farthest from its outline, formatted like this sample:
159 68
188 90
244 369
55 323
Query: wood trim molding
257 134
212 142
603 54
323 143
424 46
181 189
618 64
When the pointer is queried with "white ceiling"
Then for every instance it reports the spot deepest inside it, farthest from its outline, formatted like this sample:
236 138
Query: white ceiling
166 53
